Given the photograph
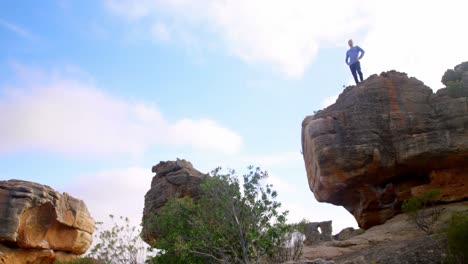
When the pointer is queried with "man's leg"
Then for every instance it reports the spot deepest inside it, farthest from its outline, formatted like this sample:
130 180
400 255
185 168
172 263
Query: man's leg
358 69
352 67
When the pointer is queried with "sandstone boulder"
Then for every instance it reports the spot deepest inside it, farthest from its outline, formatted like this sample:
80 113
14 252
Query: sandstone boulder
172 177
39 223
383 141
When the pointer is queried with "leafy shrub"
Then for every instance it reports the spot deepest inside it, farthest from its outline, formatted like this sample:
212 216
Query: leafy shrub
417 209
232 222
457 237
455 88
120 244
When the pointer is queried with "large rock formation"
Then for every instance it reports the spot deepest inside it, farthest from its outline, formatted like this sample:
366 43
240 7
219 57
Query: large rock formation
384 141
40 225
172 177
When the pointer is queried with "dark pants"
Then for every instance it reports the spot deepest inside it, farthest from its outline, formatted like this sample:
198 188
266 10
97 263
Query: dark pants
355 70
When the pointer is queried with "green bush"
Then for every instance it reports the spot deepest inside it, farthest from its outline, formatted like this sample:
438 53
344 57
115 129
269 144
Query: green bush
232 222
121 244
418 212
457 237
455 88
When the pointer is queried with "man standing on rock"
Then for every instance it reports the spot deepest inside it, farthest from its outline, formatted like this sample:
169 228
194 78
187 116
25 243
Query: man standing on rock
352 59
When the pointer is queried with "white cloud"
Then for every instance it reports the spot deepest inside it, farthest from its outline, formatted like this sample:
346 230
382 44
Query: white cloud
283 187
329 100
419 37
56 112
267 162
314 211
120 192
285 35
20 31
160 32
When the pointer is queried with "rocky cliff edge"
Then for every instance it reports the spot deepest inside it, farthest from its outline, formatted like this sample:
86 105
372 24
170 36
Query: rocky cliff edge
386 140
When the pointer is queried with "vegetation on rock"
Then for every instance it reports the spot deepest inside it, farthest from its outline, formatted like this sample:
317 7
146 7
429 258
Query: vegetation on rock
454 80
419 212
457 237
121 244
232 222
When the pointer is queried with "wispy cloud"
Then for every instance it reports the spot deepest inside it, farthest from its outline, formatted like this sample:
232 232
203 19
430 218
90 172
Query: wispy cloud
329 100
119 192
287 35
59 112
423 44
160 32
18 30
283 35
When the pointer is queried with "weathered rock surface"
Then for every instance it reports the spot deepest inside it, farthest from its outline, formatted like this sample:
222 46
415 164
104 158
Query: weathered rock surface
347 233
314 236
314 261
39 224
394 242
172 177
384 141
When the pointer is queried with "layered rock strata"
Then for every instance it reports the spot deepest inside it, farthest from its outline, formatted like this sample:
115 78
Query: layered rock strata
386 140
40 225
172 178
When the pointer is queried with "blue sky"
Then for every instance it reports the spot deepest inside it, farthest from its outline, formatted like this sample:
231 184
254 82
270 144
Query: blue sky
93 93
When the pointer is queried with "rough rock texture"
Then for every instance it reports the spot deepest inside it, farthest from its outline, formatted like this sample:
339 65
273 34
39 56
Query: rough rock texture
33 256
314 236
37 223
315 261
394 242
347 233
416 251
455 74
384 141
172 177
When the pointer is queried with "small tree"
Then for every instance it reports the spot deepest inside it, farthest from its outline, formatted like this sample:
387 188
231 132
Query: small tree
120 244
232 222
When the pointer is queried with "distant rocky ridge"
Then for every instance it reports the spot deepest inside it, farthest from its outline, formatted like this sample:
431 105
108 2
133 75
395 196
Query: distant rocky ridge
40 225
172 177
386 140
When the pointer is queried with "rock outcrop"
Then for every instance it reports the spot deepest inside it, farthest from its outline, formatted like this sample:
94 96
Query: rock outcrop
347 233
386 140
40 225
172 177
397 241
314 236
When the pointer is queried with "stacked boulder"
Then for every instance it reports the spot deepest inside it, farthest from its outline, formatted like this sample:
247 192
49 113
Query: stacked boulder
40 225
172 178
